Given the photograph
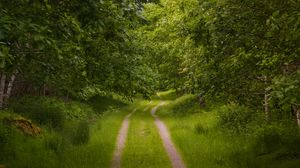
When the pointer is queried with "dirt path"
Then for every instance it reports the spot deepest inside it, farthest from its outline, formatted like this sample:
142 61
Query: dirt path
116 161
174 156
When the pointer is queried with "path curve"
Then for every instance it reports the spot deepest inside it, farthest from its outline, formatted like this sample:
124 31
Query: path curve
174 156
120 144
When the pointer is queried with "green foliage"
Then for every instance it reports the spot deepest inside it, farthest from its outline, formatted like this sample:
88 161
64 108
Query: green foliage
51 116
268 138
230 49
250 142
80 52
81 141
54 112
235 118
285 90
5 135
103 103
77 111
44 111
275 136
183 105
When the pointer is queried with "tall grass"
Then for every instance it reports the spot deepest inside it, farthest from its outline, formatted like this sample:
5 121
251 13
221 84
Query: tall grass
229 137
82 137
98 152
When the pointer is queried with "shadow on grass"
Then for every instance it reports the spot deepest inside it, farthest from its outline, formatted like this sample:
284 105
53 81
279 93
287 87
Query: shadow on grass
103 103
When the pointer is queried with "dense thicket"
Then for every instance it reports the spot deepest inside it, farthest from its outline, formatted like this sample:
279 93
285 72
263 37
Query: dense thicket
70 47
239 50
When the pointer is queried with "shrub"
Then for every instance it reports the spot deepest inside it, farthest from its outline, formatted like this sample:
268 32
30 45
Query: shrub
5 133
267 138
235 118
47 111
75 110
103 103
184 105
276 135
49 116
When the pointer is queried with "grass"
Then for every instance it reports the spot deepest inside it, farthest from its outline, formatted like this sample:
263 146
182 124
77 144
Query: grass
144 148
166 95
200 143
98 152
204 144
55 147
197 134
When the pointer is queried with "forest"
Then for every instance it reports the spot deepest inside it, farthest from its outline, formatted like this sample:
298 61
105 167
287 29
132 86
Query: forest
150 83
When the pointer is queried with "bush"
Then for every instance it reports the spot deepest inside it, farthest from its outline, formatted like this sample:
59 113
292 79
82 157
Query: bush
103 103
49 116
268 138
46 111
183 105
235 118
5 133
276 135
75 111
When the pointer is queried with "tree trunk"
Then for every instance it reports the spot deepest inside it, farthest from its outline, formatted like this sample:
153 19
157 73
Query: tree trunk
67 96
44 89
266 100
296 109
201 100
298 117
9 88
266 106
2 88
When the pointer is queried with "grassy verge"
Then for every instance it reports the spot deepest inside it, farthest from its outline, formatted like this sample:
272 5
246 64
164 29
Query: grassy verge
201 144
144 148
98 152
205 143
74 134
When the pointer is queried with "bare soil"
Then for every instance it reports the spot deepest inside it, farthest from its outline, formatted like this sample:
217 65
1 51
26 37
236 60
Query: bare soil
174 156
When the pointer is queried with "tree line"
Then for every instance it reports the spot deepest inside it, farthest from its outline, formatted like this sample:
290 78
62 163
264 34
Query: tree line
70 48
243 51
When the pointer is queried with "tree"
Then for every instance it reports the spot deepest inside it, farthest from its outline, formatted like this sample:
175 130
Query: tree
233 49
70 46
